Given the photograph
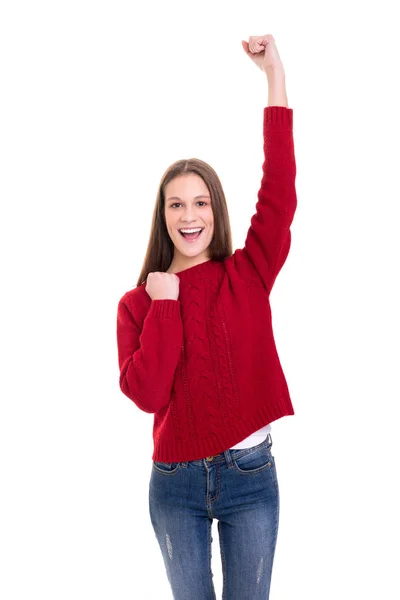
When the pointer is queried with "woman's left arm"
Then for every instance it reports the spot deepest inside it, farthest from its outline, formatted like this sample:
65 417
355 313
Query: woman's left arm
268 239
277 95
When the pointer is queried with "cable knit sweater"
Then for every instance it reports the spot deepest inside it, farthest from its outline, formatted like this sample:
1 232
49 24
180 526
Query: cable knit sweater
206 365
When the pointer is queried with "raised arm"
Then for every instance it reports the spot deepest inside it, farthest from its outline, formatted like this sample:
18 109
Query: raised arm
268 238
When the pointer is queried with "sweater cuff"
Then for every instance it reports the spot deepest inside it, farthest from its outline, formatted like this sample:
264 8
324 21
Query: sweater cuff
278 117
165 309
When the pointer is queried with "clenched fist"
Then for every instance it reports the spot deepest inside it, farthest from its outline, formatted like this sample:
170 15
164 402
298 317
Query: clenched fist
162 286
263 52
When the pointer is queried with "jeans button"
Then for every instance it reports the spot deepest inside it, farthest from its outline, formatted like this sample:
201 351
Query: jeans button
209 458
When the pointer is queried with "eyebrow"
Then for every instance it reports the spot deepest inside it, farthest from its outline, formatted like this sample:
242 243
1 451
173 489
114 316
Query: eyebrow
195 198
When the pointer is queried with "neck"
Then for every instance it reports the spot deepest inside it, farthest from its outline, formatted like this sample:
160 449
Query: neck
182 265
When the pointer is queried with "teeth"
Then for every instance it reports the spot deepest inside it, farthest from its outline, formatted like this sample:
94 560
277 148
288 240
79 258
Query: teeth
191 230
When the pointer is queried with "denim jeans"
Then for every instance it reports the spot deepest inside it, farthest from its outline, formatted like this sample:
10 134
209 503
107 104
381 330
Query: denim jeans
237 487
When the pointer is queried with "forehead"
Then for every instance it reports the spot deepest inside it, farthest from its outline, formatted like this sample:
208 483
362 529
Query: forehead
186 187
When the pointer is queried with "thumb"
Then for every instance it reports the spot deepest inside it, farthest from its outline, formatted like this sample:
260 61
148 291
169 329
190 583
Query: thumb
245 46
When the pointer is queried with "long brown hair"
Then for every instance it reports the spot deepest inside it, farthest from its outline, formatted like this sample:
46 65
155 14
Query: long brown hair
160 249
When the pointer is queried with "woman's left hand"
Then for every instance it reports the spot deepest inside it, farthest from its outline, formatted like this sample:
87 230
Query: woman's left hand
263 52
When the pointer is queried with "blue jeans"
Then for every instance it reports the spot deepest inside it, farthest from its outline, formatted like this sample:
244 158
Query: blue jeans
239 488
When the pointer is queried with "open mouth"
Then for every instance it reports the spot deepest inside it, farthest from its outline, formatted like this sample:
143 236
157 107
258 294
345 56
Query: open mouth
192 237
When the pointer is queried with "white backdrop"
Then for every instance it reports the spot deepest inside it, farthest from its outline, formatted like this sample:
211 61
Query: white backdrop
97 99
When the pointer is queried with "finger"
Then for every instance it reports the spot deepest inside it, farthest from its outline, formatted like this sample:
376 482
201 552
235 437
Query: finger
268 39
256 49
258 39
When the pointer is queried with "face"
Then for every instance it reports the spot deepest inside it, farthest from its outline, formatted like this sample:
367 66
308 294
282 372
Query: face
188 206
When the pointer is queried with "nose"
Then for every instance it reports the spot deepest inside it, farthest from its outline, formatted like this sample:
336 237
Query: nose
189 217
190 210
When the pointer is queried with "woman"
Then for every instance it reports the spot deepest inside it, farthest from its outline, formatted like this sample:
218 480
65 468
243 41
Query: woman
196 349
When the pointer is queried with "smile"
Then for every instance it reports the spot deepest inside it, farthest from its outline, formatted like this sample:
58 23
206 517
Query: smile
191 237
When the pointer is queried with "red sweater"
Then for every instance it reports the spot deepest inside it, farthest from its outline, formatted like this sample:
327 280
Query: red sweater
206 365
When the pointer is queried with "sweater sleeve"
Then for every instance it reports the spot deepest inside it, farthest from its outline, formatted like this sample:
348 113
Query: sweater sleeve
148 358
268 238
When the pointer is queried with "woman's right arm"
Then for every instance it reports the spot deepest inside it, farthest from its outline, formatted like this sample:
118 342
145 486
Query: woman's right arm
148 358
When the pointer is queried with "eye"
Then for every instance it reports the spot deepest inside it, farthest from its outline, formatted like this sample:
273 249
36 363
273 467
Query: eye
175 203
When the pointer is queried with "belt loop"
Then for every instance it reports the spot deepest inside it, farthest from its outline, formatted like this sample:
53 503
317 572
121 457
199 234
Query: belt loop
228 458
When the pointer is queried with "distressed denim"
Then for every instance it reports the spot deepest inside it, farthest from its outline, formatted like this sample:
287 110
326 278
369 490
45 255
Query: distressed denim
237 487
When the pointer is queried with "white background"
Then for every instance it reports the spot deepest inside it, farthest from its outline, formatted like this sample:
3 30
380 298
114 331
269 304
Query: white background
97 100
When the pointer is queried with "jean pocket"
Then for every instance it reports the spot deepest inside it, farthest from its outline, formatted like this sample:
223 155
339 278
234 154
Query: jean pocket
254 461
166 468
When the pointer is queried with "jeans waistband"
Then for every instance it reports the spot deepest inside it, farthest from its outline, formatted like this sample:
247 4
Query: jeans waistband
226 455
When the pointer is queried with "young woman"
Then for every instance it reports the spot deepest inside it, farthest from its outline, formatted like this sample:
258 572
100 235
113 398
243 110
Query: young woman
196 349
